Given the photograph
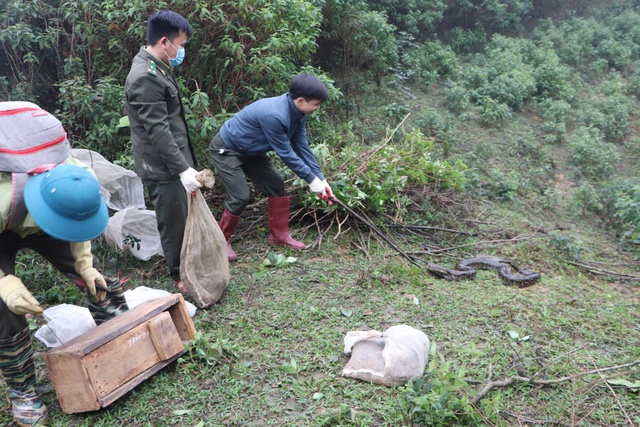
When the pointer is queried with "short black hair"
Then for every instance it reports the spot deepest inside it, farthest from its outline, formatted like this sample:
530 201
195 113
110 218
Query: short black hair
166 23
309 87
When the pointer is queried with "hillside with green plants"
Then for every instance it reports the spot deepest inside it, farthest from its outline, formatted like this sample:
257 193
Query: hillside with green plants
456 128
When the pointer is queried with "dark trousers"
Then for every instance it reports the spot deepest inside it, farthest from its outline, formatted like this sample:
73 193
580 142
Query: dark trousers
233 168
170 201
57 252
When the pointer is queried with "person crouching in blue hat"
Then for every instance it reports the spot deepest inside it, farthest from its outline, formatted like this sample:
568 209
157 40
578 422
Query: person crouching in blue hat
56 214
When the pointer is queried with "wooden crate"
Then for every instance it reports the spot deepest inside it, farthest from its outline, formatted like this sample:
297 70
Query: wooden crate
95 369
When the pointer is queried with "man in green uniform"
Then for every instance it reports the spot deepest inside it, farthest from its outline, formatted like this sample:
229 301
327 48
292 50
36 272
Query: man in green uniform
162 149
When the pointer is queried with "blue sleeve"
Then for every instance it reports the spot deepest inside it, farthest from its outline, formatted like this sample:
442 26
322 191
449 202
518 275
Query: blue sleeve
275 131
300 144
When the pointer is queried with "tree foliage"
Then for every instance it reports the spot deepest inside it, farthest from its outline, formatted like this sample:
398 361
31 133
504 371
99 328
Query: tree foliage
72 57
355 38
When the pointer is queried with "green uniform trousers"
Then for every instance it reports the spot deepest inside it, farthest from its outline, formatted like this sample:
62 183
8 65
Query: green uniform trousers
232 169
169 199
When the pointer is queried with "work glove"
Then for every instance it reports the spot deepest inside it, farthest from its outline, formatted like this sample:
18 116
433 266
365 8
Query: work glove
317 186
327 188
189 181
16 296
84 267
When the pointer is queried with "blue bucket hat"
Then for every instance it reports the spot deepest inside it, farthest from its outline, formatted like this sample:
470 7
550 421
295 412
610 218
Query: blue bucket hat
66 203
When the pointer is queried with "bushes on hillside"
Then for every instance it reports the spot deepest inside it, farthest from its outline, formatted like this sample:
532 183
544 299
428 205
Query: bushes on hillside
596 158
428 62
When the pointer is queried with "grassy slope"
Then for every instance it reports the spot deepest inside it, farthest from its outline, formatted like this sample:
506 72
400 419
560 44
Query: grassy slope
282 328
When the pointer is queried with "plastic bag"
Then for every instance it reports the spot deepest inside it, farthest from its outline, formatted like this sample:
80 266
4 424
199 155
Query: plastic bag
141 294
120 187
64 323
390 358
204 265
134 232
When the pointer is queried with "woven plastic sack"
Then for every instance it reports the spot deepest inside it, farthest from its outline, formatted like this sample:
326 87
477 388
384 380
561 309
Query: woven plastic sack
120 187
390 358
204 265
134 232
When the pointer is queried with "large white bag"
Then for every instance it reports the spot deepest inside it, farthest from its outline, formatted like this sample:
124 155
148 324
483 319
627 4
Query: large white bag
390 358
120 187
134 232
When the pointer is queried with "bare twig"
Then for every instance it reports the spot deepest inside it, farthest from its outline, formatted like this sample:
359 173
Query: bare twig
528 420
362 217
372 153
508 381
484 242
615 396
425 227
603 272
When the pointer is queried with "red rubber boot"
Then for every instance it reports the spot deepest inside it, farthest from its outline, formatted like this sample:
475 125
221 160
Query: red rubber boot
228 224
278 214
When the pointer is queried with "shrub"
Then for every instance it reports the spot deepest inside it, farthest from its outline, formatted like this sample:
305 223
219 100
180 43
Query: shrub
596 158
375 178
463 40
492 112
607 108
593 44
355 38
511 74
416 17
457 97
556 114
633 82
431 61
627 211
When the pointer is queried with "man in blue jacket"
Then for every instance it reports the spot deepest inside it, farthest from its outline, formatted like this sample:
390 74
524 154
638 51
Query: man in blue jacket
240 149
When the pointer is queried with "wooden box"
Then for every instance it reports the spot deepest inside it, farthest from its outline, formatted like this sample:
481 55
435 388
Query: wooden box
95 369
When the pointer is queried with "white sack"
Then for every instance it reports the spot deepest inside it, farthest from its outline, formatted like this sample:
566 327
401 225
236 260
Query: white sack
390 358
141 294
140 224
64 323
120 187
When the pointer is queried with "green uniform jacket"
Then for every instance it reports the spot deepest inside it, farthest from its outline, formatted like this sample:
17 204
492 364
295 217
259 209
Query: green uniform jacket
161 145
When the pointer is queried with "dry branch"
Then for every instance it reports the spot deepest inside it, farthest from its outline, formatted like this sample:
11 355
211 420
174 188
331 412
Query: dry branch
603 272
508 381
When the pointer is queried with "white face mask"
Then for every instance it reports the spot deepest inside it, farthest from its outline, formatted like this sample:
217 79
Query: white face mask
180 54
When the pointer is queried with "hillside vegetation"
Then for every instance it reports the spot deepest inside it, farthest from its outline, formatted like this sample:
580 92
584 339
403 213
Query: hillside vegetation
507 128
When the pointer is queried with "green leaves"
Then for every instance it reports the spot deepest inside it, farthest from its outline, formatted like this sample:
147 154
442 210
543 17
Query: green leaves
275 260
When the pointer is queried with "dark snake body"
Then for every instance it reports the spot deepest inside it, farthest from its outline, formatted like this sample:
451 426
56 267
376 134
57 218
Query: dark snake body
466 269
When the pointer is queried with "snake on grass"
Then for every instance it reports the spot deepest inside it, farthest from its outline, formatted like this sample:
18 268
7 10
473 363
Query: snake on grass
509 273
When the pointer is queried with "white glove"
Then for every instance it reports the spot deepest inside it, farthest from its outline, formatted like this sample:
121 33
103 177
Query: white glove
189 181
327 188
317 186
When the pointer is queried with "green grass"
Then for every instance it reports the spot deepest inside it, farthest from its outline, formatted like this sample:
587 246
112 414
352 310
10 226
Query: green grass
270 352
275 344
